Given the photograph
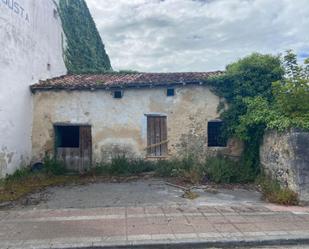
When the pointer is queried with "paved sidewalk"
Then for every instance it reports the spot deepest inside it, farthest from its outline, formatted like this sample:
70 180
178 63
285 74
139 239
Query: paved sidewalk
186 226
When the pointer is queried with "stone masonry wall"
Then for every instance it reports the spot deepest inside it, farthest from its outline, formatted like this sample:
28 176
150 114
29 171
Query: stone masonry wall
285 157
120 125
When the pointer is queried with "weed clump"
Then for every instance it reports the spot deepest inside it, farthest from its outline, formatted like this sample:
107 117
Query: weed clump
52 166
273 192
224 170
123 166
217 169
18 175
188 168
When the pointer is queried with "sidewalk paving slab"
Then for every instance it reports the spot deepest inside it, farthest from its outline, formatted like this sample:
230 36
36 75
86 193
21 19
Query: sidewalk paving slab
155 227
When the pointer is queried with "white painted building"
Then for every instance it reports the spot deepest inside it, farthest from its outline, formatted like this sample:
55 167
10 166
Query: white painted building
31 41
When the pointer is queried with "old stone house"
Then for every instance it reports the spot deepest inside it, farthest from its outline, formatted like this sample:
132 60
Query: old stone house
91 118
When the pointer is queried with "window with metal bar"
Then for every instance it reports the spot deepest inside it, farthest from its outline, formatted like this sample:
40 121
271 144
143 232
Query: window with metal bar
214 134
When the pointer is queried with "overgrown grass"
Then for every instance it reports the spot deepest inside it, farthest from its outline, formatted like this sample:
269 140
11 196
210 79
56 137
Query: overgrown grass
24 181
18 175
273 192
123 166
224 170
216 170
16 187
53 167
187 168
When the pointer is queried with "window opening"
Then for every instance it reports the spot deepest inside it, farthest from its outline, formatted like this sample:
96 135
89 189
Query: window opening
170 92
215 135
118 94
67 136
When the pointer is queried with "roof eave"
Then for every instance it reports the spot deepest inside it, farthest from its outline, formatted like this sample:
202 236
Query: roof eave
114 86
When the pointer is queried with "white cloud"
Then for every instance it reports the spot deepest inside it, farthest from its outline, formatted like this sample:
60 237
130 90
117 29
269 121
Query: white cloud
197 35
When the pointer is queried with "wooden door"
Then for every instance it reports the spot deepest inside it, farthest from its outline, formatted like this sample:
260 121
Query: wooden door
156 136
70 157
74 147
85 147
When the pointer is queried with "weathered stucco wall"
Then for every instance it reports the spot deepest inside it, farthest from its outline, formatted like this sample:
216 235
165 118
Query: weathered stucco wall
31 49
285 157
120 125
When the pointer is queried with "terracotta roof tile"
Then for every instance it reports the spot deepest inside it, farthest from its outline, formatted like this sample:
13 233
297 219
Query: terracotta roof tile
121 80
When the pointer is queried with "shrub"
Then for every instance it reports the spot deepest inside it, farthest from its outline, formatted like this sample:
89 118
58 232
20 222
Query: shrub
53 167
101 169
121 165
224 170
220 170
166 168
191 169
273 192
138 166
193 176
187 167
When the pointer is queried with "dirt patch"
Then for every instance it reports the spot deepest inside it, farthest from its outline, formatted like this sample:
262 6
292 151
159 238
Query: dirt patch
30 190
130 192
209 186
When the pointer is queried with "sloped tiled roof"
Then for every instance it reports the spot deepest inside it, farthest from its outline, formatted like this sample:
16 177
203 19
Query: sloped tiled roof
121 80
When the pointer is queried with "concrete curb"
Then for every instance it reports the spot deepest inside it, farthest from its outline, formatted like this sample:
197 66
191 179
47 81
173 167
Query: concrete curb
196 244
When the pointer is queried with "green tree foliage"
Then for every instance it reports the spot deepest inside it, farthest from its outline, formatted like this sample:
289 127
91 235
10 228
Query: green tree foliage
292 93
85 52
264 92
249 77
289 107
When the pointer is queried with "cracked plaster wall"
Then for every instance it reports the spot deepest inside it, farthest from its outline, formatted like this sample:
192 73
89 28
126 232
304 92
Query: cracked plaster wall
119 126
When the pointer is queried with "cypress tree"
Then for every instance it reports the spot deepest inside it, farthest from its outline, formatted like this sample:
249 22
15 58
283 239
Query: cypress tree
85 52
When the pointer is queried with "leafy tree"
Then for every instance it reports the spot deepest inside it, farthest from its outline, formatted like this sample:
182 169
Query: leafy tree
288 108
292 69
292 93
243 80
248 77
85 52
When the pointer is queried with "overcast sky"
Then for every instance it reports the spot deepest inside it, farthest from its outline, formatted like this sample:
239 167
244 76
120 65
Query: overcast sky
198 35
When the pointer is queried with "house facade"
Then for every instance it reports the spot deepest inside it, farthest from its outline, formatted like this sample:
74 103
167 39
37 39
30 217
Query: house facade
89 119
